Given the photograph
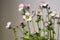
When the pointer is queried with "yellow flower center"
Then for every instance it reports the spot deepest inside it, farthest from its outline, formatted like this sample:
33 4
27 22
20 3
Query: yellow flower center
38 12
20 6
56 13
27 16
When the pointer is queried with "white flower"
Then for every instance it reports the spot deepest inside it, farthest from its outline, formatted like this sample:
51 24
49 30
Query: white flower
49 22
27 17
44 4
46 24
58 15
54 13
21 6
8 25
38 12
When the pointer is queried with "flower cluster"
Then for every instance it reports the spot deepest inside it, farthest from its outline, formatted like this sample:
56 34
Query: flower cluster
48 28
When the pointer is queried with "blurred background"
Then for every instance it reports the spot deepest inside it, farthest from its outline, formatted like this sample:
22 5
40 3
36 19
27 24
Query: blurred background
9 12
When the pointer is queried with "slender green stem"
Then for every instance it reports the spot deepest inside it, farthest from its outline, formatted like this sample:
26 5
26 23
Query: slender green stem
28 28
43 23
47 12
38 30
43 26
49 32
50 35
15 35
14 31
53 36
38 27
53 30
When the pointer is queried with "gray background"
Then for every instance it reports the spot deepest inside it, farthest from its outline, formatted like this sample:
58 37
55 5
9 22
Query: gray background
9 12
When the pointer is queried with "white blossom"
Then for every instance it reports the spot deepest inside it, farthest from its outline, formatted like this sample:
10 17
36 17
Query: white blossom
58 15
21 6
49 22
43 4
54 13
38 12
8 25
46 24
27 16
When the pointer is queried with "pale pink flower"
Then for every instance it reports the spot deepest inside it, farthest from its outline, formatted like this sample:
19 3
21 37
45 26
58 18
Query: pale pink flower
43 4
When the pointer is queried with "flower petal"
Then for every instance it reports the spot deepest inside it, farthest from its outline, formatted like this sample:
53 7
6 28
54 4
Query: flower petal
27 13
21 6
8 24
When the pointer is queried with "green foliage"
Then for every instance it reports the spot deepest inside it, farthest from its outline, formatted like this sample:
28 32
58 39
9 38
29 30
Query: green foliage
49 28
